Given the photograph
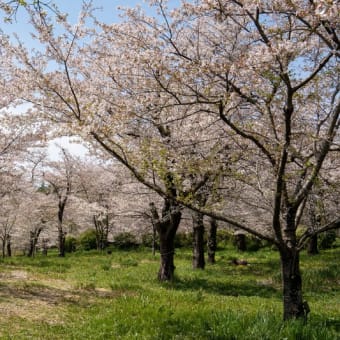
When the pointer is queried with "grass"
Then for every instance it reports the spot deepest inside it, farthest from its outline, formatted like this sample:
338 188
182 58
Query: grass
91 295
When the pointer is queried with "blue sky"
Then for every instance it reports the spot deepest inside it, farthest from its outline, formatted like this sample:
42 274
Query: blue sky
106 10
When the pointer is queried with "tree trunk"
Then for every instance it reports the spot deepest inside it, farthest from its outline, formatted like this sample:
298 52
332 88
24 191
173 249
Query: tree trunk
154 231
166 227
31 245
34 237
167 249
212 242
44 247
240 241
9 247
313 245
198 261
293 305
3 247
61 242
102 231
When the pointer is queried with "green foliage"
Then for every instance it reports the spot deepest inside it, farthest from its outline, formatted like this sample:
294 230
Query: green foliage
87 240
70 244
125 240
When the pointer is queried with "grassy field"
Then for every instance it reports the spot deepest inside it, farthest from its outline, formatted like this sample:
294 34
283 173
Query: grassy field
99 296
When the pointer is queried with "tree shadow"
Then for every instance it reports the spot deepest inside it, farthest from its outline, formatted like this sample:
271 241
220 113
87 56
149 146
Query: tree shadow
334 324
255 266
52 295
250 288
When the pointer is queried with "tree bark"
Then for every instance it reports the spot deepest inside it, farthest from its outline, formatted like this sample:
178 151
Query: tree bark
3 247
212 242
34 237
61 242
9 246
198 261
154 231
167 249
240 241
293 305
166 227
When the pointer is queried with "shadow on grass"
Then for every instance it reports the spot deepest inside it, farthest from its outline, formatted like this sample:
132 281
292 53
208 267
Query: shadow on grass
54 296
225 289
257 268
333 324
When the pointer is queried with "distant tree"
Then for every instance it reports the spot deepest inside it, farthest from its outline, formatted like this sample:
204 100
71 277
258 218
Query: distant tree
60 179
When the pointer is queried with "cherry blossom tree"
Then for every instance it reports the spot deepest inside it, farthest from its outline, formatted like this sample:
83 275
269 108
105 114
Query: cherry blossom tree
97 188
270 71
36 218
60 178
254 84
9 210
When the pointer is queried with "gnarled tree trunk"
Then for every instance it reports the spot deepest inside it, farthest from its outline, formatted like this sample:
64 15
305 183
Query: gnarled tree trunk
9 246
212 242
34 237
61 242
166 238
166 227
293 305
198 261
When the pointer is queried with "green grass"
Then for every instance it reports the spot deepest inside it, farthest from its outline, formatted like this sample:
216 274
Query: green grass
91 295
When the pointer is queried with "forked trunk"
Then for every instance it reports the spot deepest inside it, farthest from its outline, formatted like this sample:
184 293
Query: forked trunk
293 305
166 227
34 238
198 261
212 242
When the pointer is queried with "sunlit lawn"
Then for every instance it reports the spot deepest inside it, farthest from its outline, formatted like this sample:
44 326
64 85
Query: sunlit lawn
91 295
